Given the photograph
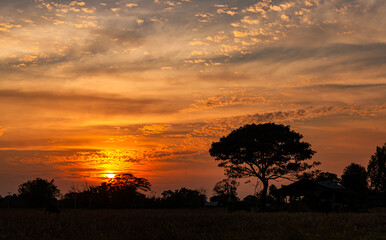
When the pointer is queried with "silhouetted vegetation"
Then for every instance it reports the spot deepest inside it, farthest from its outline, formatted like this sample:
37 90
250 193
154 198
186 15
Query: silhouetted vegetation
124 191
318 175
355 178
52 209
37 193
265 151
183 198
225 192
127 191
377 170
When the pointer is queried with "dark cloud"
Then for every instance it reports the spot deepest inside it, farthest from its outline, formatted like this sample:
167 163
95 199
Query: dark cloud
373 53
220 127
349 86
73 102
28 141
226 75
16 156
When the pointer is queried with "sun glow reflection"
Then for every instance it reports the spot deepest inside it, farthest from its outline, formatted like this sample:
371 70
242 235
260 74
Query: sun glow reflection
112 162
105 165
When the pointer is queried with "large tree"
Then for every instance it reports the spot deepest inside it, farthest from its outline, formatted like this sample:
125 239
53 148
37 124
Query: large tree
266 151
377 169
126 190
355 178
38 192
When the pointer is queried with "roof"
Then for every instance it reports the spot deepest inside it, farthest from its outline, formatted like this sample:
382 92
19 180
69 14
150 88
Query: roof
311 187
331 184
211 204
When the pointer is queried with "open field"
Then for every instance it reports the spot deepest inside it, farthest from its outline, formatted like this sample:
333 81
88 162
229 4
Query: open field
190 224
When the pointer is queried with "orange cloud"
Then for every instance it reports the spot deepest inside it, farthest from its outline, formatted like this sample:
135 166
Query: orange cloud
154 129
229 98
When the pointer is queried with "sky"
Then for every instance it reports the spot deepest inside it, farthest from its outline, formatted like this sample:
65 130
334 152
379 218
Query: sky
145 86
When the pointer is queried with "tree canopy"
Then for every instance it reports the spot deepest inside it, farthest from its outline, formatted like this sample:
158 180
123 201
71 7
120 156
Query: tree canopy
377 169
225 191
267 151
123 191
38 192
183 198
355 177
318 175
129 181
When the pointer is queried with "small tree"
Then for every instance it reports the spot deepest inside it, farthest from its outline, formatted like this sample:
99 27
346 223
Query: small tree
355 178
225 191
38 192
377 169
183 198
266 151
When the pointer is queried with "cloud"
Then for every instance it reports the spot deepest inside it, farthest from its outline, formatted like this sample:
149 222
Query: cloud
337 51
79 163
72 102
323 63
350 86
154 129
220 127
117 43
66 109
228 98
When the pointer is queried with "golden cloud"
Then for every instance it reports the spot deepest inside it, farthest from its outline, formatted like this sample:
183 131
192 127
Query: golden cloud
154 129
228 98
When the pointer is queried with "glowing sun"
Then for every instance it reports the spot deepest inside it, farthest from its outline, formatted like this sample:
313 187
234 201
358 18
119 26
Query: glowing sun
110 175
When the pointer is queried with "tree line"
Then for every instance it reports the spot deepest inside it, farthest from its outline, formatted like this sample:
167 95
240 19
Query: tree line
265 151
124 191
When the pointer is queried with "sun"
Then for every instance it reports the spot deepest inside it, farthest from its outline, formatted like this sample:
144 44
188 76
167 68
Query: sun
110 175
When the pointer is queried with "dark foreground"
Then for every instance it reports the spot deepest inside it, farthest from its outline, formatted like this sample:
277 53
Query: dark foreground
190 224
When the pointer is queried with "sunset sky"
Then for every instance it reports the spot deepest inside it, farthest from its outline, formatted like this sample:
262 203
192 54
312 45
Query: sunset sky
145 86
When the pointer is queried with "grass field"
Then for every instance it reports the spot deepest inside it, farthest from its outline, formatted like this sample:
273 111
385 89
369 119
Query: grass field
190 224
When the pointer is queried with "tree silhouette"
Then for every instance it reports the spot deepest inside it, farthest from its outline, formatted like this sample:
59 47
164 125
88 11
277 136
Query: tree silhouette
225 192
123 191
183 198
266 151
275 195
318 175
38 192
355 178
129 181
377 169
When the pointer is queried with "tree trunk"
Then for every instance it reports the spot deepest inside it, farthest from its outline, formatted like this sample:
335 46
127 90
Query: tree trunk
264 195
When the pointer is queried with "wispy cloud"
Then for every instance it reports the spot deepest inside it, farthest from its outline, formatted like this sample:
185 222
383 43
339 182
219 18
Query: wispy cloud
228 98
73 102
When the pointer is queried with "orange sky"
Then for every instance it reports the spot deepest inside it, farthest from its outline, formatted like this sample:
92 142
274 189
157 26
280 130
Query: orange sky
95 87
